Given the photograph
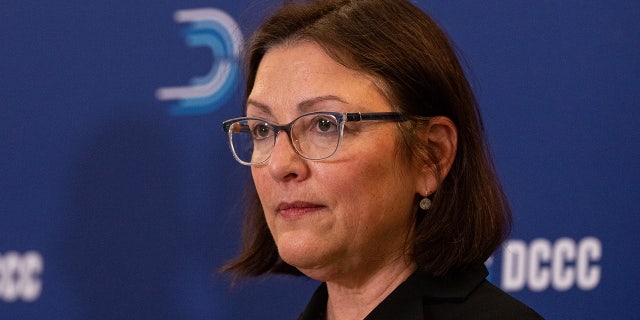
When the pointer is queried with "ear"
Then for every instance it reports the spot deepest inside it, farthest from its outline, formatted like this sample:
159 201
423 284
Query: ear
441 138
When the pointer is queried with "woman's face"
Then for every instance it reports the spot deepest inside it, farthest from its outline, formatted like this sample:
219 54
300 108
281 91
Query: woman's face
347 214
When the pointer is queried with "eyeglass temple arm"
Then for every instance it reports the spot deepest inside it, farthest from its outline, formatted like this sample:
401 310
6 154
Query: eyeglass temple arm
226 126
394 116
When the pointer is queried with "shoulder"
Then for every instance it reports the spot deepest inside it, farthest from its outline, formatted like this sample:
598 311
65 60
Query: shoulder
461 295
486 301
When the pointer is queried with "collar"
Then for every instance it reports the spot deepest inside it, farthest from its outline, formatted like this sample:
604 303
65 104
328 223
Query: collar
406 301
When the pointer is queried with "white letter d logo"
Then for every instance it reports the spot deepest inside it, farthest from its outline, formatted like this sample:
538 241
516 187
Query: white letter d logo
218 31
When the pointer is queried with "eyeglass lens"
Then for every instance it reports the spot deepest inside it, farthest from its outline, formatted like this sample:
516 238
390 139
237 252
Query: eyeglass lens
314 136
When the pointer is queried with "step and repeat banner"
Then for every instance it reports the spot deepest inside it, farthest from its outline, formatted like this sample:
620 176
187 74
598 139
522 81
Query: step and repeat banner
119 198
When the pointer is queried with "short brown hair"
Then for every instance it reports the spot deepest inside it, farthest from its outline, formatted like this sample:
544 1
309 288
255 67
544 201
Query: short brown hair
419 72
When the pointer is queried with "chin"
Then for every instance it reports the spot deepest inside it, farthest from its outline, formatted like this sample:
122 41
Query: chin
312 263
302 257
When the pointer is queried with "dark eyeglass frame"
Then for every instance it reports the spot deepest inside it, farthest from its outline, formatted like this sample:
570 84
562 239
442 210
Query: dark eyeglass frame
341 119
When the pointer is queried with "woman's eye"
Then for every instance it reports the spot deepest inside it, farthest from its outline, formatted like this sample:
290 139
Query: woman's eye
326 125
261 131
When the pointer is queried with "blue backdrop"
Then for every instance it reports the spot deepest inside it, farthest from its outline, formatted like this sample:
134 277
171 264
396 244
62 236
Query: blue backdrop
119 198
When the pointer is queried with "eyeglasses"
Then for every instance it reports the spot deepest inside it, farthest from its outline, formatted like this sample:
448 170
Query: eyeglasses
314 136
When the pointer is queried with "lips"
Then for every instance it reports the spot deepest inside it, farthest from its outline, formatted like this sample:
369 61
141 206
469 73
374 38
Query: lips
294 210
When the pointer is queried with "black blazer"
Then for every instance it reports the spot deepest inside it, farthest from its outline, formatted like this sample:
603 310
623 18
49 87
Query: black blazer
464 295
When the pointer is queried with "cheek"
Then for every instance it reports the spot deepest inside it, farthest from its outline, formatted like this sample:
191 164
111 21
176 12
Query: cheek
374 207
262 182
363 188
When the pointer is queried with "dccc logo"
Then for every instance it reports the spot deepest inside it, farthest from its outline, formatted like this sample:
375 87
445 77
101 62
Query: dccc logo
215 29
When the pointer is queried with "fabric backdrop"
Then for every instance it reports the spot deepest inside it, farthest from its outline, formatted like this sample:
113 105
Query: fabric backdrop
119 198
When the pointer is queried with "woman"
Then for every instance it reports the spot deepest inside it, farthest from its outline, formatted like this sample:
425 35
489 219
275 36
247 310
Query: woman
369 165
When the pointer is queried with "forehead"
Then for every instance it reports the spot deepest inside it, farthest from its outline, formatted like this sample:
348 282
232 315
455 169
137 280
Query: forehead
301 62
301 71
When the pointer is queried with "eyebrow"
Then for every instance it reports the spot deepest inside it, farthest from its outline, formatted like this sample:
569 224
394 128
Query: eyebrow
303 106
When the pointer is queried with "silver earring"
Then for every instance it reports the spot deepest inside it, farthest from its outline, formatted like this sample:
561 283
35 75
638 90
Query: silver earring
425 203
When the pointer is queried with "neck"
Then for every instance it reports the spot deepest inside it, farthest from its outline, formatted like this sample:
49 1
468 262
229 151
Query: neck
355 299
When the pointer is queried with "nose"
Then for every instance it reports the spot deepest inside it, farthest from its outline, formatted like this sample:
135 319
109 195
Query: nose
285 164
